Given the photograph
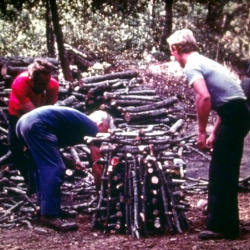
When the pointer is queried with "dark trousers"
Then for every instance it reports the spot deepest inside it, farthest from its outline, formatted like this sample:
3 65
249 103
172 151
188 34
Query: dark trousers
22 161
223 215
16 146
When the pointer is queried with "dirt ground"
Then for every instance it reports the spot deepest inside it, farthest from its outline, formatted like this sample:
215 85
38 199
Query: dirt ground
197 167
84 238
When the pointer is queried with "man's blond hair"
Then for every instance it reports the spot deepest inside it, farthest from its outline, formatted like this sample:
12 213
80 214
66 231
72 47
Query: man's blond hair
184 40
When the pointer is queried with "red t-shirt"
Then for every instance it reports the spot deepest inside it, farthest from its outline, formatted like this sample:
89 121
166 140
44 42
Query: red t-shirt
22 93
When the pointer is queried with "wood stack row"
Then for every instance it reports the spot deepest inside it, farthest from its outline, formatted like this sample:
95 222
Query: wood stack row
16 208
148 145
141 191
11 66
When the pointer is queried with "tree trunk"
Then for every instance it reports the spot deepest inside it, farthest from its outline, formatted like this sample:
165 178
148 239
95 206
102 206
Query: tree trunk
214 18
50 32
59 38
167 28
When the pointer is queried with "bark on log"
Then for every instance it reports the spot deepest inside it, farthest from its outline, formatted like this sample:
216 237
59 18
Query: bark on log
12 71
121 75
18 61
117 94
176 126
118 102
109 83
138 97
132 92
165 103
142 115
76 57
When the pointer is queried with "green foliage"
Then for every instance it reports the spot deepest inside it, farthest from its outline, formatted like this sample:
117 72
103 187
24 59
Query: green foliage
119 30
22 34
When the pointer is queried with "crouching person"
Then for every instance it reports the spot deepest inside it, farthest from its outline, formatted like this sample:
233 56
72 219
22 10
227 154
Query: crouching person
44 130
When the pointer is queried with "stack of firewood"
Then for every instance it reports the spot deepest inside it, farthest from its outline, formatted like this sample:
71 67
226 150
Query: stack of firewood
16 208
141 191
11 66
143 161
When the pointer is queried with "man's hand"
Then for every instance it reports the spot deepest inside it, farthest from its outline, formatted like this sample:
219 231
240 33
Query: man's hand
211 138
210 141
80 166
201 140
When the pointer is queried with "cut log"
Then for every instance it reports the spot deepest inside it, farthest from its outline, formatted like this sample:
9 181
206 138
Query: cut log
12 71
118 102
117 94
142 115
120 75
165 103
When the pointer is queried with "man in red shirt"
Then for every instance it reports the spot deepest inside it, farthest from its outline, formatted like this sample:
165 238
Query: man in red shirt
31 89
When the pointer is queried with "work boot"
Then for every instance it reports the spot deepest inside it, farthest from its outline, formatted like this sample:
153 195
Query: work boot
57 224
66 214
210 235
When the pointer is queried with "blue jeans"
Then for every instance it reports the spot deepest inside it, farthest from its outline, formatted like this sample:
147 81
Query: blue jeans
44 130
50 167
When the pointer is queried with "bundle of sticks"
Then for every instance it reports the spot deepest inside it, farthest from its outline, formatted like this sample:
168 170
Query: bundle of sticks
141 184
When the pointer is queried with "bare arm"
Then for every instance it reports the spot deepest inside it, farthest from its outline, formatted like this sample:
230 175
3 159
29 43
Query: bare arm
96 168
27 107
212 136
203 106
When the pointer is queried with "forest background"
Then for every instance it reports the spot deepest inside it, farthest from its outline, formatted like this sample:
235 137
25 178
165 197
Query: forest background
116 35
120 32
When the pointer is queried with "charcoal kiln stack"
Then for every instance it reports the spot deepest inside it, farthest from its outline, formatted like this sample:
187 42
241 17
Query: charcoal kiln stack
141 184
144 171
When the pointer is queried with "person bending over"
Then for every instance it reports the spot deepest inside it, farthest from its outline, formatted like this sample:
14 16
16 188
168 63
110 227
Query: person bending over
31 89
46 129
216 89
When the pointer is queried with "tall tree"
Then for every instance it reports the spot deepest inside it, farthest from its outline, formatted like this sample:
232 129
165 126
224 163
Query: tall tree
50 32
167 27
214 18
60 43
51 15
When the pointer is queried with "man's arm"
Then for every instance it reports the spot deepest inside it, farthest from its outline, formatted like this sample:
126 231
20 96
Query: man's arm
27 107
211 138
96 168
203 106
52 92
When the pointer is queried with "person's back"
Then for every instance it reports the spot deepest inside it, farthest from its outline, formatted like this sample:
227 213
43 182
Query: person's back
68 124
220 83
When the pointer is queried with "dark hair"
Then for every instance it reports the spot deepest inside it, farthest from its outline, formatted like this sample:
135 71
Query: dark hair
242 67
40 66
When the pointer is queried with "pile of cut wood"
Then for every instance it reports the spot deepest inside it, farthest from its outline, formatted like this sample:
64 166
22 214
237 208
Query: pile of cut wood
141 190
